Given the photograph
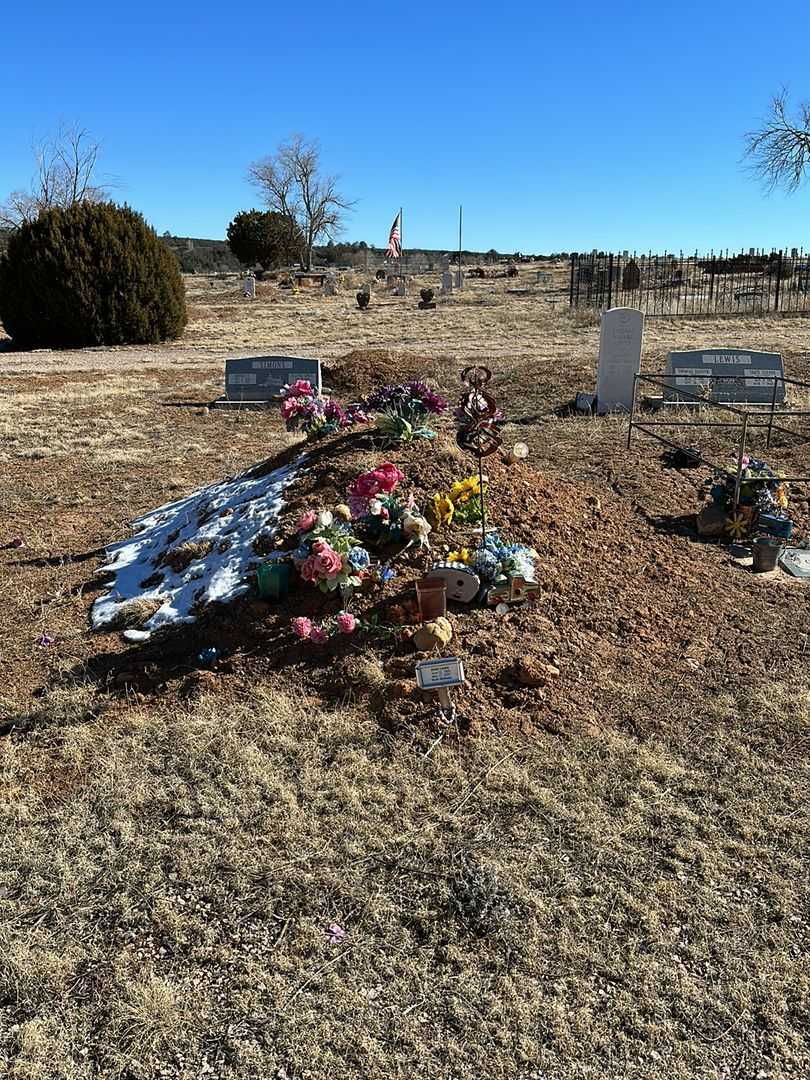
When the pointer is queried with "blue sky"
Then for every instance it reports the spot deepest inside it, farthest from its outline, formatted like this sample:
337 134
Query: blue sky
559 127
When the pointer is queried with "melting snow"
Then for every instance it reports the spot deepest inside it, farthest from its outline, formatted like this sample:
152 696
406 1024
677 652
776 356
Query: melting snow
226 517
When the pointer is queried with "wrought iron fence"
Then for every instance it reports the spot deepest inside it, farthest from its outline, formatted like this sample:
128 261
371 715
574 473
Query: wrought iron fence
753 282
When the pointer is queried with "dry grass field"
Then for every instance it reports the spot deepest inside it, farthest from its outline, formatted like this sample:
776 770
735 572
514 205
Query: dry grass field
612 885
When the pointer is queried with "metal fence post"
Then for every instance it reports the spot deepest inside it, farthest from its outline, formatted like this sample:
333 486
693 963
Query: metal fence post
778 281
632 410
773 410
571 287
610 280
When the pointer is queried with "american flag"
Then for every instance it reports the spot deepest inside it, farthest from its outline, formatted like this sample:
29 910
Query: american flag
394 249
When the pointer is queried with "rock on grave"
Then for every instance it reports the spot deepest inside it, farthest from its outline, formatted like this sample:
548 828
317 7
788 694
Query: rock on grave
259 379
619 358
724 375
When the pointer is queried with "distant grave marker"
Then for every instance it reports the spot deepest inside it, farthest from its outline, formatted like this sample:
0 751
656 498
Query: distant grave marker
729 375
619 358
259 379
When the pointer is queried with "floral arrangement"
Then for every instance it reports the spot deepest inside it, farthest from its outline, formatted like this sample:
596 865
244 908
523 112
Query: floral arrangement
462 503
403 409
762 491
494 558
328 554
344 624
303 408
384 515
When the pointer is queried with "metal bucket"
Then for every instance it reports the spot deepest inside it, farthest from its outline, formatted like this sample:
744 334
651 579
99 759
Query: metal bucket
766 554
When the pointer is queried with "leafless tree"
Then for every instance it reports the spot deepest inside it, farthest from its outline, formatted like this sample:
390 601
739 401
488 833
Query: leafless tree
780 148
291 184
65 174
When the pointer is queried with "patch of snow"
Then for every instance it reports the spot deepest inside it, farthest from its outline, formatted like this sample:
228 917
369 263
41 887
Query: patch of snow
227 516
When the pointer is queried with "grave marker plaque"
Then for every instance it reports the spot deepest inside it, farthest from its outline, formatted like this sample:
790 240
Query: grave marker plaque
619 358
260 378
724 375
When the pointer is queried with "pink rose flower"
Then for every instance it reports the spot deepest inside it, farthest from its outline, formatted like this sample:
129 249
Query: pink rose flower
330 562
301 386
302 627
289 408
311 568
307 521
366 486
318 636
388 476
347 623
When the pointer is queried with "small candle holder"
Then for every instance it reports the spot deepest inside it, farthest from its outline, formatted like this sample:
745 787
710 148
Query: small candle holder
431 594
273 580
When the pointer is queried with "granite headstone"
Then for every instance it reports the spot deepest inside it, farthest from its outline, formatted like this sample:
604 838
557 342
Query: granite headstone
619 358
724 375
261 378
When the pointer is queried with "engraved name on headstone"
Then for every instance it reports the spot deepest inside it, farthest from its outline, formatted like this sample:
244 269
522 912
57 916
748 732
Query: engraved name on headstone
724 375
260 378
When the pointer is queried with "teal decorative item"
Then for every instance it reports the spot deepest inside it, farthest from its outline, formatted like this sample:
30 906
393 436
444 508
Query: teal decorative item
273 580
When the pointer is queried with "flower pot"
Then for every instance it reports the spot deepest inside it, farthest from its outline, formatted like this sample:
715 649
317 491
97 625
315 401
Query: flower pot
766 554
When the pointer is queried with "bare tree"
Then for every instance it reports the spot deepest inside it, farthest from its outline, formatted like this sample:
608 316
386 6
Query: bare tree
65 175
780 148
291 184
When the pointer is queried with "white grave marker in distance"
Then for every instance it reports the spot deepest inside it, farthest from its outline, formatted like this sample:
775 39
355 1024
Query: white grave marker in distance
619 358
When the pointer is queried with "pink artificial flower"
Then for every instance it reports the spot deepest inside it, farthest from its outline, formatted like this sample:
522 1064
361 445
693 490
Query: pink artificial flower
289 408
389 476
301 386
318 636
302 627
307 521
330 562
310 569
366 486
347 624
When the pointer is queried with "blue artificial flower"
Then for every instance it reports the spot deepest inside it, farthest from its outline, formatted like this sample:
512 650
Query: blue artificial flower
359 558
301 552
387 573
486 564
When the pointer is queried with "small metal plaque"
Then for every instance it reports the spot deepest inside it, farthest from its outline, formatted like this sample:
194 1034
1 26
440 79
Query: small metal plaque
435 674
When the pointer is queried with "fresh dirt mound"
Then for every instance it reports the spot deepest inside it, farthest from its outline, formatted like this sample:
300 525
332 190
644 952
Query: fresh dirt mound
626 603
355 374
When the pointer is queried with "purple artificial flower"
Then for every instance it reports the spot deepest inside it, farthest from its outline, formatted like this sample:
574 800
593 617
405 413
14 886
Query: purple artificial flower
335 933
45 640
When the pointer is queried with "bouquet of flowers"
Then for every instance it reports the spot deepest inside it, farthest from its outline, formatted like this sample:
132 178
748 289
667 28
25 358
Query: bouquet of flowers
302 407
384 516
494 559
762 491
462 503
402 410
328 554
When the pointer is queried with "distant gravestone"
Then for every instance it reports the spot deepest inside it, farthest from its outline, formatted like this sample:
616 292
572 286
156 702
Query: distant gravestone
724 375
447 283
261 378
329 287
249 287
619 358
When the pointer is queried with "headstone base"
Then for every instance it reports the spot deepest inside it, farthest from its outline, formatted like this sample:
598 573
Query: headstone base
427 306
227 403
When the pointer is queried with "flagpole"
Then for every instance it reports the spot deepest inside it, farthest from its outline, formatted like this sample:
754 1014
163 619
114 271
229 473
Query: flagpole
460 280
401 249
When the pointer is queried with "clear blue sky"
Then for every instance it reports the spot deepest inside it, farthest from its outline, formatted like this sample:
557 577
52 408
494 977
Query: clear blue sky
558 126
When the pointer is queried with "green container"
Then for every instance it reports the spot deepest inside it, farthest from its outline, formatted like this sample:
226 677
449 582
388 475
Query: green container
273 580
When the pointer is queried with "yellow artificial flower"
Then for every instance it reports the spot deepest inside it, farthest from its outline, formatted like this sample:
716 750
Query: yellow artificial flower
781 497
462 555
463 490
737 526
441 510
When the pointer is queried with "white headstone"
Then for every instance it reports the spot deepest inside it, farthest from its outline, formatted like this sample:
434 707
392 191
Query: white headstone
447 282
619 358
249 288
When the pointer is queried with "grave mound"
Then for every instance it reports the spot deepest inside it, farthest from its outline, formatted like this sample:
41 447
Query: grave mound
617 601
361 370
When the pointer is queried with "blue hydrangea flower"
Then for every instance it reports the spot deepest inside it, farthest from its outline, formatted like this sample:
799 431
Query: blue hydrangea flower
486 564
359 558
387 573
